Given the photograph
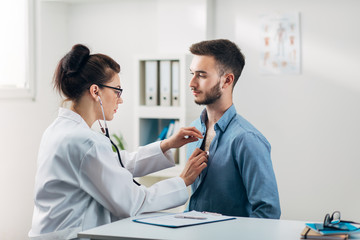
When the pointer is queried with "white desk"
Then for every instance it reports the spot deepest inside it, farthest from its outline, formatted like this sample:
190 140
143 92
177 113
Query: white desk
240 228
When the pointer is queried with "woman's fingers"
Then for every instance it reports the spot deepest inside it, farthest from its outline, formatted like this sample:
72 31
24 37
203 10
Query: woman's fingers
196 163
190 132
184 136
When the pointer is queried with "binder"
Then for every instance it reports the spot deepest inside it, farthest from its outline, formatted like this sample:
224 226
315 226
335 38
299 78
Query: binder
163 133
176 126
165 83
151 83
170 129
175 78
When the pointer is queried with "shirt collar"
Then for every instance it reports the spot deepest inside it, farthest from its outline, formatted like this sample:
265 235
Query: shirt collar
223 121
67 113
203 116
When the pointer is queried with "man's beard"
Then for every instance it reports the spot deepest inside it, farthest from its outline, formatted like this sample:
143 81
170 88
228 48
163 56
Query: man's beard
212 96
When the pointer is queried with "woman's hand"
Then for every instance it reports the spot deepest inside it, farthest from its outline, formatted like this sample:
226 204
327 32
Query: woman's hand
196 163
183 136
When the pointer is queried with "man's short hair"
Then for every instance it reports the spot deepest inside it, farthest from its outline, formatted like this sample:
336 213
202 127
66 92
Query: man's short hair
228 56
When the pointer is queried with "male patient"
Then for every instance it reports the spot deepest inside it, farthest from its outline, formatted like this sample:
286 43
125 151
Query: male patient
239 179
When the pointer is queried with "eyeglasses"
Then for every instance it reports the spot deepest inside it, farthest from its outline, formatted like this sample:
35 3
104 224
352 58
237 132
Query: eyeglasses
334 221
117 90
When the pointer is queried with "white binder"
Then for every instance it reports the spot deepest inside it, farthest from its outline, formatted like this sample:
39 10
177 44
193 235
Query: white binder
170 129
151 83
175 78
165 83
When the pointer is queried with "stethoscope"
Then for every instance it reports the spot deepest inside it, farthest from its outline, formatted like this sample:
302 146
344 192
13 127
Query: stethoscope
106 132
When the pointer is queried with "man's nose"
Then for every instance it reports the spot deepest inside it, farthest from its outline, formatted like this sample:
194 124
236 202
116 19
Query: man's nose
192 82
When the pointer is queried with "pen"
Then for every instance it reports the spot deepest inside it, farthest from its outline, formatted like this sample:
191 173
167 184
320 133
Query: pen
212 213
190 217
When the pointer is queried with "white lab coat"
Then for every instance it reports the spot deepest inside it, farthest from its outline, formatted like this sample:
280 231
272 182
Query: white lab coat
80 183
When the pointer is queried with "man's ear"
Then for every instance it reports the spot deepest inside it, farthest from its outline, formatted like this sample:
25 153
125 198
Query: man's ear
229 80
94 91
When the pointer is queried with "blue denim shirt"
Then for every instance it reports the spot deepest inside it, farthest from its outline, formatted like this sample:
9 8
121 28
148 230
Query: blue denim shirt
239 179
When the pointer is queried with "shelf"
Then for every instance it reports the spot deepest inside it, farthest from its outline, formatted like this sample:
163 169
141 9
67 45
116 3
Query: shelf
150 129
160 112
151 118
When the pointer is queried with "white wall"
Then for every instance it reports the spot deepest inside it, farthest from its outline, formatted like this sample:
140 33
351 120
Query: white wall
23 122
178 29
311 119
121 29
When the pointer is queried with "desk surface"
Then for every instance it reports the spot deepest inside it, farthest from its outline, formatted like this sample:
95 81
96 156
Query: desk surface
240 228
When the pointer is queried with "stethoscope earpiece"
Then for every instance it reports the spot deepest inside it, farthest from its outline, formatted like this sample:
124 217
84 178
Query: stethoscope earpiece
105 131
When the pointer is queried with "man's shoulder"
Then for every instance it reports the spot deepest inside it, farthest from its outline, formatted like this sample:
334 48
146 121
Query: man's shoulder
239 122
243 128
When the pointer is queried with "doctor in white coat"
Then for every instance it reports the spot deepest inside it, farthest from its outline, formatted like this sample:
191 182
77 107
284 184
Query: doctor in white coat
80 183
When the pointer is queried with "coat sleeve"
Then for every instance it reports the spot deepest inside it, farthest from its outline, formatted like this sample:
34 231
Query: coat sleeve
147 159
112 186
258 176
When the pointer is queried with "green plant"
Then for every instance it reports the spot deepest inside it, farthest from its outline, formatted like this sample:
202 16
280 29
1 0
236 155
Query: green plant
120 141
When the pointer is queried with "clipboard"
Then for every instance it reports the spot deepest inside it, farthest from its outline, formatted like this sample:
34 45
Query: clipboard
186 219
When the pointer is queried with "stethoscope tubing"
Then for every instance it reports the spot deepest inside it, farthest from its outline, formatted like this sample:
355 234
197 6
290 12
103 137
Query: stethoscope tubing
106 132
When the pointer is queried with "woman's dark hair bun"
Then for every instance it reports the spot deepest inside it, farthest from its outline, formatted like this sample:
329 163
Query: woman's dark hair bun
75 59
78 70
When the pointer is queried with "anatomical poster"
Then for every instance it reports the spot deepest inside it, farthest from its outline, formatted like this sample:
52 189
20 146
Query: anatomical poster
280 43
